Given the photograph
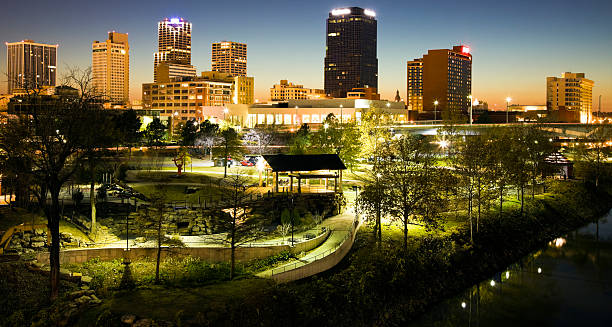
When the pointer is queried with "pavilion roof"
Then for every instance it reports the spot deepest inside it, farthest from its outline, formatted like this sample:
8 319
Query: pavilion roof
304 162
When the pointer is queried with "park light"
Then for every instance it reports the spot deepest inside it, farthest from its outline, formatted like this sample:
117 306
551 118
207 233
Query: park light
492 283
261 166
378 175
507 275
443 144
436 103
508 99
225 110
326 125
539 270
463 305
176 113
388 104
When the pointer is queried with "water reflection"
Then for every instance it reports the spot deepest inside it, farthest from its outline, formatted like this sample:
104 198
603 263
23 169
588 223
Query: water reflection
569 283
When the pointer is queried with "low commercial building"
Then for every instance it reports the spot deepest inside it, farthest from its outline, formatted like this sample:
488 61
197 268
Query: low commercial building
198 98
297 112
288 91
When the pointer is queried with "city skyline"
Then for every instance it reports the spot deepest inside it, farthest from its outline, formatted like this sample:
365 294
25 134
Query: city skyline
512 57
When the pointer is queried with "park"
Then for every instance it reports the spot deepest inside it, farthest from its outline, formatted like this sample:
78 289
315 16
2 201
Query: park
107 221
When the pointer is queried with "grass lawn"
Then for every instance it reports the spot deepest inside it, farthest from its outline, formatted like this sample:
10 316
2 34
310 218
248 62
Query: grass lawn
162 303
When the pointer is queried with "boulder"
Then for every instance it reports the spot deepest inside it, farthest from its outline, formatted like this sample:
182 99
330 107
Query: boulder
128 319
86 279
143 323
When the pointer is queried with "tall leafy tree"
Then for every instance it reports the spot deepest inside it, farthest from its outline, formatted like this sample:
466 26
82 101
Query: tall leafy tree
189 133
415 192
301 140
341 139
229 146
155 131
207 136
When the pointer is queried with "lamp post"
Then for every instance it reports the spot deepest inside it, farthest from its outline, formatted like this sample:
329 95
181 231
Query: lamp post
436 109
471 104
508 99
341 106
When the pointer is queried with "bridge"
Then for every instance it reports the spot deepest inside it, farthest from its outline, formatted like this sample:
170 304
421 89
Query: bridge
571 130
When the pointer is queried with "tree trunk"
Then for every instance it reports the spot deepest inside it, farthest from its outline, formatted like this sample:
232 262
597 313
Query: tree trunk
405 232
53 219
92 197
522 198
501 201
159 245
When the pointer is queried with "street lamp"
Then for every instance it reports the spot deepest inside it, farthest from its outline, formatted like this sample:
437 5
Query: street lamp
341 106
326 125
508 99
435 109
471 104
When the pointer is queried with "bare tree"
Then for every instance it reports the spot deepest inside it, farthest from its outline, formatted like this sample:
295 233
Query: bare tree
51 133
236 221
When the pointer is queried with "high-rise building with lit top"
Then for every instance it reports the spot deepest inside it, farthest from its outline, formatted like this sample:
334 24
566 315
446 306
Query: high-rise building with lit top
229 57
350 54
30 65
442 75
111 67
571 92
174 43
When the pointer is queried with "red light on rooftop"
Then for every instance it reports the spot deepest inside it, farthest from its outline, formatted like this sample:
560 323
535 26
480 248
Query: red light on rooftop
465 49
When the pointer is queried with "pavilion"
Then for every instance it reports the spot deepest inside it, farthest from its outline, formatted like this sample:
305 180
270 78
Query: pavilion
306 167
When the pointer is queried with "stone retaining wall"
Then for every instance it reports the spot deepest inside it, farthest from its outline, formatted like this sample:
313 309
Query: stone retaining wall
210 254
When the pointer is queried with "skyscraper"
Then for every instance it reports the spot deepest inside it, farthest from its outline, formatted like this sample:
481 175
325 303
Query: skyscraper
571 92
111 67
30 65
442 75
229 57
350 55
174 43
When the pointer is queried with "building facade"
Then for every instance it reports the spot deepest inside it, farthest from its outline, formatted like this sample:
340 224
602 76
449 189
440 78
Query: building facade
229 57
167 71
31 65
174 43
195 98
111 67
442 75
415 84
350 55
571 92
286 90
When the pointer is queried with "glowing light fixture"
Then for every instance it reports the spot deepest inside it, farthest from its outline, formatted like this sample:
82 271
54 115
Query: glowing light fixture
341 11
463 305
174 21
369 12
465 49
539 270
492 283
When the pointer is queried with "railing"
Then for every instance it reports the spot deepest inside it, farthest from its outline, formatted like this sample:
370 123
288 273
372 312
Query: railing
285 268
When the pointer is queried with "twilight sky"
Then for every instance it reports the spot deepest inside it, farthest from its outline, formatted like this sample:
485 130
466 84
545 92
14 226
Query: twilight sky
515 44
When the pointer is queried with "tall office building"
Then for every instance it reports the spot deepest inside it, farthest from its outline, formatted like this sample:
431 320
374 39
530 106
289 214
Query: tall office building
30 65
442 75
350 55
571 92
174 43
229 57
111 67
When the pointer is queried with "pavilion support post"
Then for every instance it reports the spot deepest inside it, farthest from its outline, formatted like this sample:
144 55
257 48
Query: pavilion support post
299 184
291 184
276 181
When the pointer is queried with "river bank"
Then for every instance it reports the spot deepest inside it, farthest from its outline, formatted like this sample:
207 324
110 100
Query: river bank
384 286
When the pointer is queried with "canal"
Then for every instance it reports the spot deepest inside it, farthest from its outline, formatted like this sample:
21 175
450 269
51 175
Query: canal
567 283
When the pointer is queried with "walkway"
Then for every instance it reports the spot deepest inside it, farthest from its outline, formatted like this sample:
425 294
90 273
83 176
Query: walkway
341 229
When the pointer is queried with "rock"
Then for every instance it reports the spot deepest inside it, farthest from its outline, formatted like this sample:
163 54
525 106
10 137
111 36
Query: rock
37 239
86 279
140 239
84 287
143 323
37 244
128 319
83 299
